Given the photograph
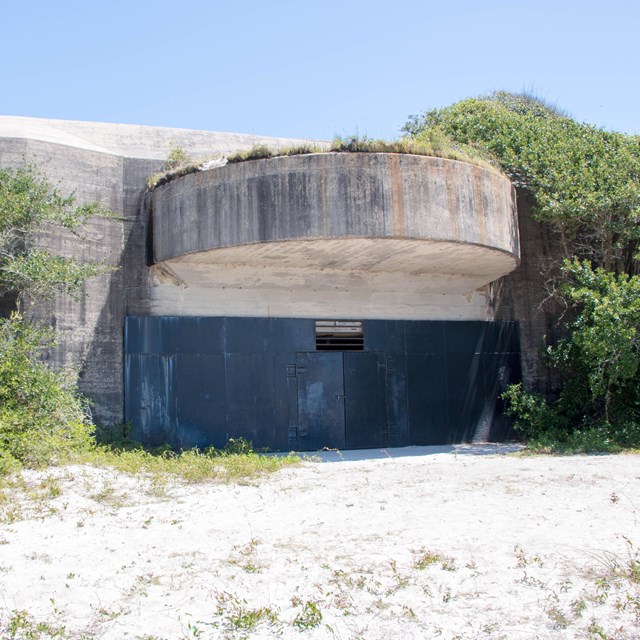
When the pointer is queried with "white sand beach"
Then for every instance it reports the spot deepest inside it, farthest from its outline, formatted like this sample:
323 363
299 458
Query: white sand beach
455 542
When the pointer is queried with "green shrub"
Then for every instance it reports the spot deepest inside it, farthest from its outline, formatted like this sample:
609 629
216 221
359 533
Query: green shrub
585 184
257 152
42 417
237 460
598 407
177 157
585 181
533 414
433 142
30 205
191 465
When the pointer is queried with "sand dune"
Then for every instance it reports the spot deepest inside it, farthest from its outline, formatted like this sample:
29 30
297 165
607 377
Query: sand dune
411 543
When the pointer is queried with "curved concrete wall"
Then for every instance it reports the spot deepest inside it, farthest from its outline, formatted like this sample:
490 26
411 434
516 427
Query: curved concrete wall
340 195
368 235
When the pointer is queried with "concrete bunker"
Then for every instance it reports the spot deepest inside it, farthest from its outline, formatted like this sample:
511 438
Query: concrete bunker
249 260
220 278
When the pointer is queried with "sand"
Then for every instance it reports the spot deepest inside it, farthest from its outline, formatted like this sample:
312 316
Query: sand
457 542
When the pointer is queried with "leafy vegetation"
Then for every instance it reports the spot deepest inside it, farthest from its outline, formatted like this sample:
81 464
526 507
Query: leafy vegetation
429 142
22 625
177 157
310 616
178 163
237 460
586 181
598 407
586 187
262 151
29 206
42 417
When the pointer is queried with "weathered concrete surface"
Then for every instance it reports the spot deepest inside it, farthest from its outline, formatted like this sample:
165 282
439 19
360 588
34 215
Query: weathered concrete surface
366 235
134 141
109 164
240 290
523 295
375 255
336 195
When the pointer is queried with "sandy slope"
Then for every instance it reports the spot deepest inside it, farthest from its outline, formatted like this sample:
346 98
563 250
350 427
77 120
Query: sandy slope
420 545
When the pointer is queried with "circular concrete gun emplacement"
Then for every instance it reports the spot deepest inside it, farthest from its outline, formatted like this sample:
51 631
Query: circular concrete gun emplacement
349 299
325 300
374 235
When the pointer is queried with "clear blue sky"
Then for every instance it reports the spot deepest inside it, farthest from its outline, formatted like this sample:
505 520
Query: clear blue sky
313 68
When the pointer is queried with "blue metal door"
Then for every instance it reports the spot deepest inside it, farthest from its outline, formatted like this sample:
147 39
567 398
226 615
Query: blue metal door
199 381
343 400
321 419
367 425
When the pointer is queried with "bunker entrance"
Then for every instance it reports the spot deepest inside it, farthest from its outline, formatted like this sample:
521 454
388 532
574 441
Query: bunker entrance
198 381
343 400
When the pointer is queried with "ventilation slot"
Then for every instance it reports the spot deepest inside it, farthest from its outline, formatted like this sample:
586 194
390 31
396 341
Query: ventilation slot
339 335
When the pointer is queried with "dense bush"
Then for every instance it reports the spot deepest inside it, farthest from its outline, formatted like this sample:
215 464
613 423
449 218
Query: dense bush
585 181
41 414
599 404
586 187
30 205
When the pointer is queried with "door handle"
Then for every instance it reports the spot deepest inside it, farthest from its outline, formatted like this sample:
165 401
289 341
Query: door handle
340 396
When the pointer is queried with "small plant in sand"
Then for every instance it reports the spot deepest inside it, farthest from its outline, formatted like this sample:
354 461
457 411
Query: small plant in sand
558 618
109 495
236 620
21 625
22 498
523 560
424 558
578 607
400 581
113 614
309 617
532 582
448 564
620 581
246 557
596 632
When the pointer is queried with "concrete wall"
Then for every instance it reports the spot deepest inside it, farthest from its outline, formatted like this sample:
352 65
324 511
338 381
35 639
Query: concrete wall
333 235
522 295
88 330
335 195
135 141
361 259
109 164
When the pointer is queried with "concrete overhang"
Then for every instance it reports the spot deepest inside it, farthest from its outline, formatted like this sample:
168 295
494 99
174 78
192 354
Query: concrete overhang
450 223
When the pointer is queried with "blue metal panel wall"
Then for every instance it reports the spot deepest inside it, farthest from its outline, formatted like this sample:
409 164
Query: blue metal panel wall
199 381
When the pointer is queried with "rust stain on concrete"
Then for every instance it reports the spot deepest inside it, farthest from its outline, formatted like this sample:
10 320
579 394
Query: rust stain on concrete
397 196
479 188
451 178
